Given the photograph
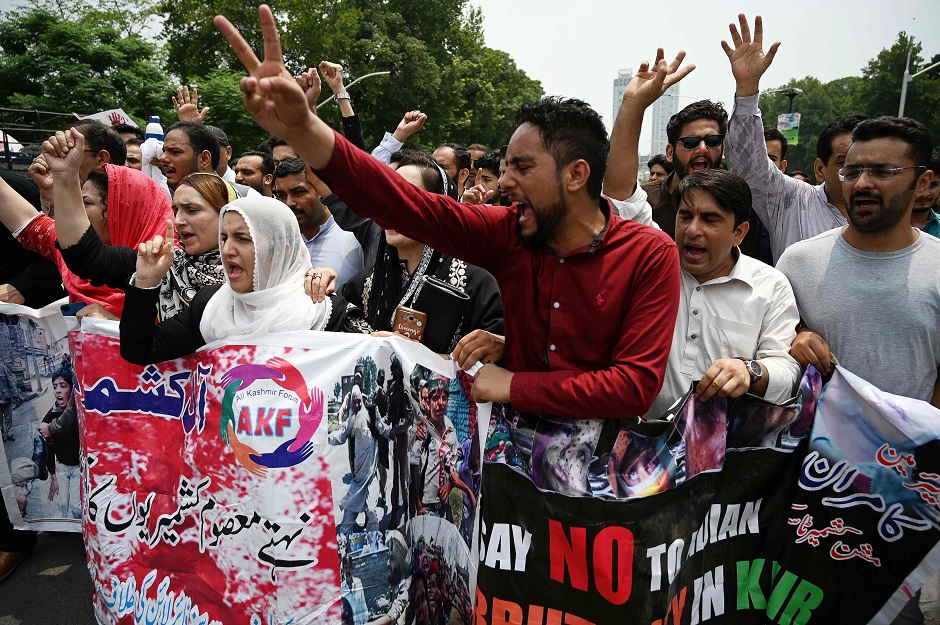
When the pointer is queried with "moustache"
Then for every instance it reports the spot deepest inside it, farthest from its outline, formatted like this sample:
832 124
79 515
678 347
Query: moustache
866 194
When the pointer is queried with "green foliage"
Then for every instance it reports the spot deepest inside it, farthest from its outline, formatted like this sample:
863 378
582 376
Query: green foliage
469 92
86 65
219 91
876 92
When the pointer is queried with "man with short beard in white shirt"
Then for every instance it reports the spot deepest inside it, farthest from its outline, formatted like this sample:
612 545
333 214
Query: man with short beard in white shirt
737 316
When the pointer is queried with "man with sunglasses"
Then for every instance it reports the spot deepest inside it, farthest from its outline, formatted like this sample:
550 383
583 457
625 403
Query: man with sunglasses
790 209
868 293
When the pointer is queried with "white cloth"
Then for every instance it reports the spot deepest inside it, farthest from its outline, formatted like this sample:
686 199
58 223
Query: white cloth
750 313
337 249
229 174
149 150
635 208
278 302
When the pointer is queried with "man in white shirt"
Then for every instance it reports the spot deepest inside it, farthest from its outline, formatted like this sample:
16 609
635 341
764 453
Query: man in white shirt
737 316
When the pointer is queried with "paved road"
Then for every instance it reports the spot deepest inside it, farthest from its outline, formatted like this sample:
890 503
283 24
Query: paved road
51 586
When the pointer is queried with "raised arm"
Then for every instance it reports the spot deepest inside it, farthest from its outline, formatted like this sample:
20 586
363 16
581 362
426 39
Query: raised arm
747 148
647 86
187 106
63 154
352 128
15 211
410 123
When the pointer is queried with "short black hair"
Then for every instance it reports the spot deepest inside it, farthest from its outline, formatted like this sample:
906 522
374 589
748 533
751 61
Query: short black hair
935 163
477 146
464 160
800 172
267 161
289 167
839 126
274 141
703 109
731 191
910 131
100 137
134 141
432 174
662 161
772 134
571 130
137 132
489 161
200 138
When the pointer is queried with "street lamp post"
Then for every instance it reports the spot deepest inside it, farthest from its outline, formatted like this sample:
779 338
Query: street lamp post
908 77
393 73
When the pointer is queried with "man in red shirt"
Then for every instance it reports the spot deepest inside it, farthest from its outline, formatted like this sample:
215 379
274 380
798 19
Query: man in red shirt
589 300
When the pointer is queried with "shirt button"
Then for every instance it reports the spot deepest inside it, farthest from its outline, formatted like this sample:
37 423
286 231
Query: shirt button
556 304
695 312
552 347
561 260
698 288
693 336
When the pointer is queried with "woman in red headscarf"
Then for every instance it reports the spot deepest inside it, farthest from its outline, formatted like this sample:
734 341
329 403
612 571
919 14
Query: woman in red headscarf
124 206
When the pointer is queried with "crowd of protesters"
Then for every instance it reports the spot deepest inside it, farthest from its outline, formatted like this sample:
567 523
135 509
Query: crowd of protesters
591 294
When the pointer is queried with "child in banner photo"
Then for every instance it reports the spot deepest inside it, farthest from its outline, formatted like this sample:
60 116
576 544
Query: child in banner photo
60 429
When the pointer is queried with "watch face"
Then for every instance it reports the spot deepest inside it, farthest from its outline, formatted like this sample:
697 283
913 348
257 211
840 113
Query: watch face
754 367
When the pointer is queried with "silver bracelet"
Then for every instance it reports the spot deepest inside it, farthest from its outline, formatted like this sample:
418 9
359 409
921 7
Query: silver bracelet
342 96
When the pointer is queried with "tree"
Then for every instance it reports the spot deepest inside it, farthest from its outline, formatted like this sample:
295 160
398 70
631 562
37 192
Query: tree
819 104
880 93
83 66
469 92
876 92
219 91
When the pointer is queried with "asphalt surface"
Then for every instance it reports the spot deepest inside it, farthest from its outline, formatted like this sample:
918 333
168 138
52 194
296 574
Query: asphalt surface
51 586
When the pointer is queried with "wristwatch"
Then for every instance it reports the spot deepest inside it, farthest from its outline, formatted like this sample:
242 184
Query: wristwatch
342 96
754 368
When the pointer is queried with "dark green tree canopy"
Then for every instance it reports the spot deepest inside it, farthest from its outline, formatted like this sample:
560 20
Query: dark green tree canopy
876 92
83 65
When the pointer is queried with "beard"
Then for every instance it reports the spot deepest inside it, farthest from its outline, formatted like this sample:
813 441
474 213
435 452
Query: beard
682 169
547 221
890 215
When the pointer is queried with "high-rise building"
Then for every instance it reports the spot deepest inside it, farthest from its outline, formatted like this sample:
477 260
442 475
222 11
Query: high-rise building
620 85
663 109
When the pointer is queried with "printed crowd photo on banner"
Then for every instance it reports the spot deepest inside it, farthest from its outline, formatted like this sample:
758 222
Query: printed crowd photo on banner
296 478
39 472
723 512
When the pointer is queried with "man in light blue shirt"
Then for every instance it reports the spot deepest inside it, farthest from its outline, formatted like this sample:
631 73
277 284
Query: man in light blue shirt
328 244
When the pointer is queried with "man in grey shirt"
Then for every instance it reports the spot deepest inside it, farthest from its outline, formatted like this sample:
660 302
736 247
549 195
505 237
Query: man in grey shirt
790 209
870 293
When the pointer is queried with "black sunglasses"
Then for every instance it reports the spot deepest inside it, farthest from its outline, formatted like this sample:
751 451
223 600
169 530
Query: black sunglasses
711 141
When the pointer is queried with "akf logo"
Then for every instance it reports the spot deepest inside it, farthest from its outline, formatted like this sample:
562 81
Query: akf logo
261 407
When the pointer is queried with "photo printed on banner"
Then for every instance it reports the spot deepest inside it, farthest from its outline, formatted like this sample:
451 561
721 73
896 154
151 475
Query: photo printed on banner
38 420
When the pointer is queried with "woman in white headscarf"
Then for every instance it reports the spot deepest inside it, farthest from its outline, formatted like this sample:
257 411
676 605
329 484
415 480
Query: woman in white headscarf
265 261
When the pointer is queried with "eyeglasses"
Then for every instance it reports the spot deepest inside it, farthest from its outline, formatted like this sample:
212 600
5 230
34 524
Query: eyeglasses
876 172
711 141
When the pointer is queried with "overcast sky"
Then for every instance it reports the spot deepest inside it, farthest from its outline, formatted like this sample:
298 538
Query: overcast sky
576 47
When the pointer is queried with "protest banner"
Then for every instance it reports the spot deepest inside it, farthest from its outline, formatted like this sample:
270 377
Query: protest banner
39 468
111 117
789 126
823 510
270 481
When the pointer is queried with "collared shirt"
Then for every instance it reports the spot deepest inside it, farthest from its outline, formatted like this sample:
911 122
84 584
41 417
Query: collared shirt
933 223
791 210
587 334
337 249
229 174
750 313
